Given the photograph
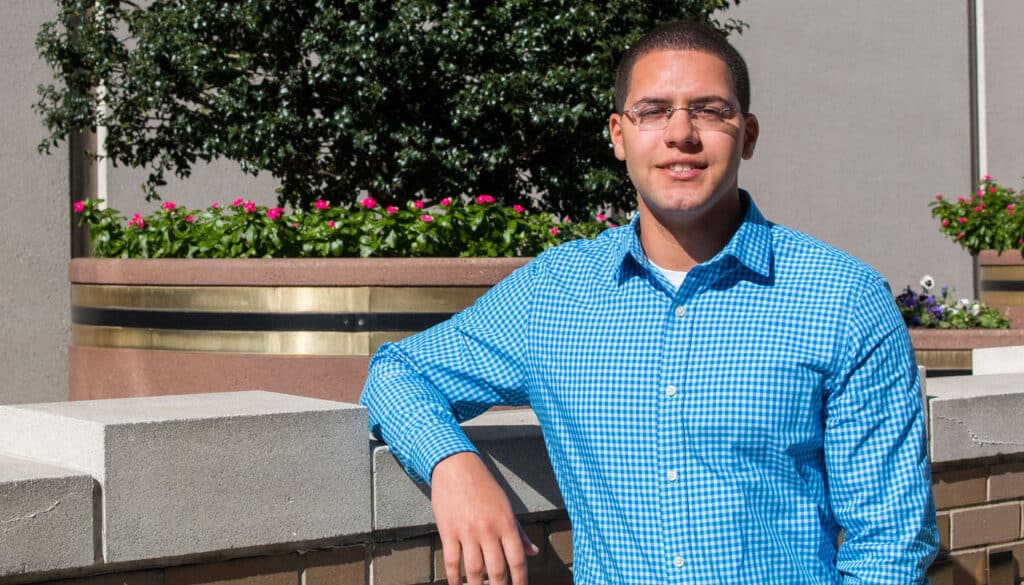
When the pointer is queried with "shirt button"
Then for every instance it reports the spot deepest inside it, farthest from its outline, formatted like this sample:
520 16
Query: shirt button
670 390
678 561
672 475
680 311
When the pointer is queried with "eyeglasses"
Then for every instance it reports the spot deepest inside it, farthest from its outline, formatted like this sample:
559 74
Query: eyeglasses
702 116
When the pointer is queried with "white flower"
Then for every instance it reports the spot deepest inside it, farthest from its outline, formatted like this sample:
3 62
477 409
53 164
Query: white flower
975 309
927 282
963 303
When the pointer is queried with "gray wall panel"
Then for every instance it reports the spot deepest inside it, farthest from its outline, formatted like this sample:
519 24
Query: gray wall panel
34 240
864 110
1004 91
221 181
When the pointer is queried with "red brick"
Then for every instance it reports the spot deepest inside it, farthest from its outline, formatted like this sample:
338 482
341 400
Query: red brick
969 568
942 519
1006 482
980 526
343 566
961 487
281 570
401 563
560 544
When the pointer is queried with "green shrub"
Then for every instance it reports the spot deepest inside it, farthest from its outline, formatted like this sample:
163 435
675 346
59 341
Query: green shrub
395 99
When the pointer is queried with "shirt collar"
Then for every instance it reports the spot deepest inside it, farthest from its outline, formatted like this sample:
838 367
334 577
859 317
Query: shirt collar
750 246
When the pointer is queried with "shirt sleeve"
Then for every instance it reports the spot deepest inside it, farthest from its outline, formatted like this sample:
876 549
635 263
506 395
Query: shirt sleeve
876 455
420 389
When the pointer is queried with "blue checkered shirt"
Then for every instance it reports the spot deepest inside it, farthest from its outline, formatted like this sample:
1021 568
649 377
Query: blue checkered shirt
720 433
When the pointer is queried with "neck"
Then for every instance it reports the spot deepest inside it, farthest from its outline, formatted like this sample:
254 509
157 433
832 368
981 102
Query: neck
682 242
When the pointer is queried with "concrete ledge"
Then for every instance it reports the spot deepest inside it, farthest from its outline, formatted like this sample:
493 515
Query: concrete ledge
972 417
46 519
511 444
183 475
998 360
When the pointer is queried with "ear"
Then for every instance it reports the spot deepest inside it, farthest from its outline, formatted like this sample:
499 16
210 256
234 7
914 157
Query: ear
751 128
615 129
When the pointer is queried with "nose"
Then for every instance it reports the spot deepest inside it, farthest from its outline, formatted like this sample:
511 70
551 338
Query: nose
681 129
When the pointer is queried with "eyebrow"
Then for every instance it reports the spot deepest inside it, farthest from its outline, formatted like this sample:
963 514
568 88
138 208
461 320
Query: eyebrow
706 99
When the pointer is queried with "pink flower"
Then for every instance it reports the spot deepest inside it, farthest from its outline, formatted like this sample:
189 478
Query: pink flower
961 199
611 225
962 220
991 189
987 178
600 217
446 202
979 207
79 206
214 205
567 219
938 196
275 212
960 235
189 219
417 204
237 202
168 206
321 204
945 223
249 207
482 199
391 209
553 230
518 208
1020 241
1011 211
1011 206
426 218
368 203
331 223
136 221
980 193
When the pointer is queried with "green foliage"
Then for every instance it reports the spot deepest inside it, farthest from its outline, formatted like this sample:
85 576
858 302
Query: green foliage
396 99
925 309
480 228
986 220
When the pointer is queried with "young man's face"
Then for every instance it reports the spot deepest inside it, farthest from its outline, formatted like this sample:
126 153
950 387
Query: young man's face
683 174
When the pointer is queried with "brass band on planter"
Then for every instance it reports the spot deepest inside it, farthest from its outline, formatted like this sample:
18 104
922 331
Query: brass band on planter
257 342
284 299
1002 285
944 359
259 320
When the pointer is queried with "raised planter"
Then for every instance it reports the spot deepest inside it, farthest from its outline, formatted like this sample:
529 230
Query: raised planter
299 326
949 350
1001 283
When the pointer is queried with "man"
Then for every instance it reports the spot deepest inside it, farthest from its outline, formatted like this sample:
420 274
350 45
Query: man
719 395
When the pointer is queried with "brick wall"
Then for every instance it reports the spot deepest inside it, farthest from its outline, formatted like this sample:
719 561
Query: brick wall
979 512
412 561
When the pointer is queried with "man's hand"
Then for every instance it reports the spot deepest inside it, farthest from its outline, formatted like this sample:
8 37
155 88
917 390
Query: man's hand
475 521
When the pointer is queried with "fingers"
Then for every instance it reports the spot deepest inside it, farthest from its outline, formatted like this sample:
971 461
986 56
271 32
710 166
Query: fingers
500 562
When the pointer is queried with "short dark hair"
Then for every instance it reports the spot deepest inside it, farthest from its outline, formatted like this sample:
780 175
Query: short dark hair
683 36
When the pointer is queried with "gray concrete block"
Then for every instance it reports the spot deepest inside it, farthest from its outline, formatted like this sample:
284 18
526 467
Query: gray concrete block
188 474
997 360
975 416
512 446
46 518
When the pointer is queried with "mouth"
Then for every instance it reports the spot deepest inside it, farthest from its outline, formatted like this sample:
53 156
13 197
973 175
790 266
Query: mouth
683 170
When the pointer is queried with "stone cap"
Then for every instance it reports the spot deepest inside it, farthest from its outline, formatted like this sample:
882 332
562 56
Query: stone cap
972 417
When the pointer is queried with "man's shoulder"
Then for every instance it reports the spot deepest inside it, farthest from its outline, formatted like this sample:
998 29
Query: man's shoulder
799 254
585 257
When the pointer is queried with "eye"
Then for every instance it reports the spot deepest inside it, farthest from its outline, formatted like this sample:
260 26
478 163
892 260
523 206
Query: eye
651 113
709 113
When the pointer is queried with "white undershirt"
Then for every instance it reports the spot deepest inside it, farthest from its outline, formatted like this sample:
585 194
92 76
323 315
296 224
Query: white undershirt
676 277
